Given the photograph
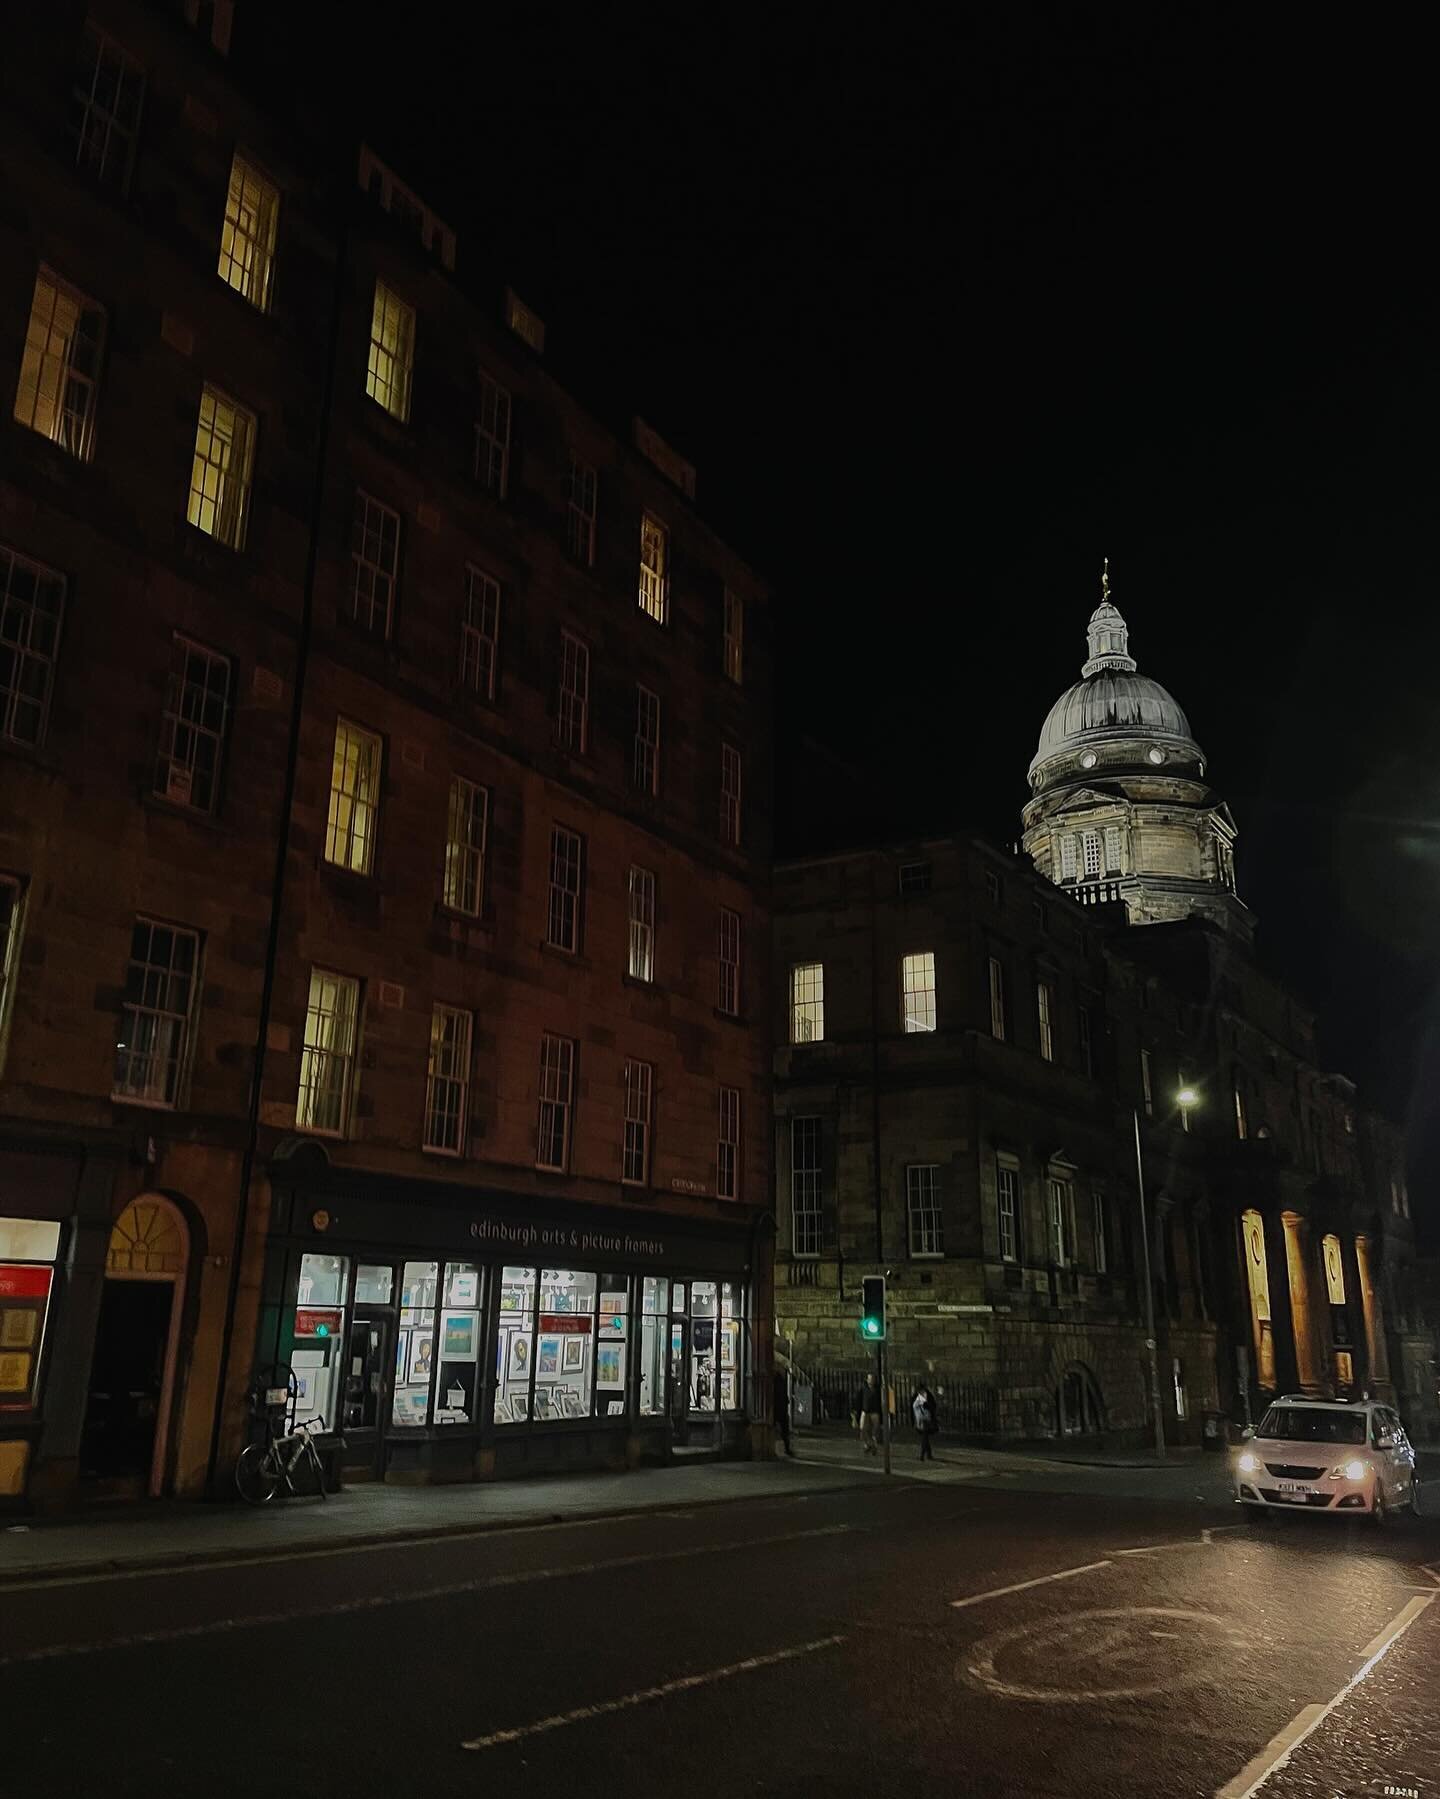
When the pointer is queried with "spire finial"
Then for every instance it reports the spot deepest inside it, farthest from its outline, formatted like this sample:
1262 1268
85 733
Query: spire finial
1108 634
1105 583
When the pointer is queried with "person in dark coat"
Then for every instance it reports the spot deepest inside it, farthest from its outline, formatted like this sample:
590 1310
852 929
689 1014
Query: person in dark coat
782 1408
869 1403
927 1421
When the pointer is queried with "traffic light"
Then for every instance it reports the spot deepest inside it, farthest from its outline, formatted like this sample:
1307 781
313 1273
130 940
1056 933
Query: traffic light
872 1308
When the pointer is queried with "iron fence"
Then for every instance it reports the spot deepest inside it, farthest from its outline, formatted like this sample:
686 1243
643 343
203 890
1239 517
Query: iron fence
967 1408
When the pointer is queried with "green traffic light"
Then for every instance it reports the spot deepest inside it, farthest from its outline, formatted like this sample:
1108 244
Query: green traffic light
322 1330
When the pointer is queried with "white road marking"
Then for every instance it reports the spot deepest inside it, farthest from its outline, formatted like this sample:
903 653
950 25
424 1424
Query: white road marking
1211 1531
687 1683
1022 1586
1093 1643
379 1601
1279 1749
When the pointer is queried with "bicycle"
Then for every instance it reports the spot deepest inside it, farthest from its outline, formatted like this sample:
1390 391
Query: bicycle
262 1467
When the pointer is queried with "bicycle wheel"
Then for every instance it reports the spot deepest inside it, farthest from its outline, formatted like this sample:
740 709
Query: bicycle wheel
255 1477
319 1468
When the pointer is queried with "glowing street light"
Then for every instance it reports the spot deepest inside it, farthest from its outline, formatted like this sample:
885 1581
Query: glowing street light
1185 1098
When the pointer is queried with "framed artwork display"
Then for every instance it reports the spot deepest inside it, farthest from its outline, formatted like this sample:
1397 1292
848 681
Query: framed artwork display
519 1407
422 1356
457 1335
517 1364
616 1409
572 1404
502 1411
544 1406
727 1392
402 1354
727 1348
573 1355
502 1343
609 1364
547 1365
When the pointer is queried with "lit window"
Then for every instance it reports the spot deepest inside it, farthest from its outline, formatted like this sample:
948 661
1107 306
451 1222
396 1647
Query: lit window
807 1002
1007 1210
734 637
354 799
1045 1018
557 1077
654 568
562 927
1091 842
11 896
220 474
572 713
465 829
727 1149
915 877
1100 1232
375 565
492 438
1067 858
328 1056
806 1219
1060 1215
727 996
1147 1091
60 366
160 988
997 999
1087 1040
922 1209
32 606
580 509
645 760
730 795
640 964
635 1159
479 633
247 237
105 108
917 988
192 726
447 1081
392 353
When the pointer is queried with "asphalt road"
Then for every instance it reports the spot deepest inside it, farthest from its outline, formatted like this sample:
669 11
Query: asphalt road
895 1638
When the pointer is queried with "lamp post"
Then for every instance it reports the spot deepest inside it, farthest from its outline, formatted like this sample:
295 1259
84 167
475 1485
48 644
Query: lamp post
1186 1098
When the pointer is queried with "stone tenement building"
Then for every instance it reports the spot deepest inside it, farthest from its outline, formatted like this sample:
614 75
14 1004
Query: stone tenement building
969 1042
384 788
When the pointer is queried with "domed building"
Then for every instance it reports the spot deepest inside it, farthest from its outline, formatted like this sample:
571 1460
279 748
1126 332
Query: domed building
1120 810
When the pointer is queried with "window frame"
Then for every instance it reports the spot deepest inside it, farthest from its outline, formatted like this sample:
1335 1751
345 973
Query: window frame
259 243
464 862
1085 1031
347 1060
727 977
228 505
572 698
654 577
807 1003
557 1073
580 521
807 1184
924 990
639 1091
127 66
731 782
728 1142
1100 1230
995 975
459 1049
364 566
1045 1017
645 750
640 915
69 372
922 1201
566 895
479 645
493 436
12 925
174 722
1060 1220
1007 1217
391 368
732 654
172 1091
370 745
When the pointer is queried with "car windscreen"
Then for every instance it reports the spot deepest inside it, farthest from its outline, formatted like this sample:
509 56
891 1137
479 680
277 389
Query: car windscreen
1313 1424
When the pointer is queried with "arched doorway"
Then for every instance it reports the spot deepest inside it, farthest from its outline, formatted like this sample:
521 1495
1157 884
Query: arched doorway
137 1339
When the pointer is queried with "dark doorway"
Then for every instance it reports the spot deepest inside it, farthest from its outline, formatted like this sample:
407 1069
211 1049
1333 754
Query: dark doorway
127 1376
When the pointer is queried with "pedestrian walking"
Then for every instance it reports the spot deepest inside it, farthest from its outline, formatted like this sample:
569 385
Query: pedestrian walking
869 1403
927 1421
782 1408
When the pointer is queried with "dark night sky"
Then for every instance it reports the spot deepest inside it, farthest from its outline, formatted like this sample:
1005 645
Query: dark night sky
944 320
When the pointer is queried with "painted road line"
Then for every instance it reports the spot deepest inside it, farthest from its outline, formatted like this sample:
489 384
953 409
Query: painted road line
1022 1586
647 1695
484 1583
1279 1749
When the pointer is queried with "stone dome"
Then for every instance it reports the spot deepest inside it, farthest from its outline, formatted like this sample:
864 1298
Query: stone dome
1111 700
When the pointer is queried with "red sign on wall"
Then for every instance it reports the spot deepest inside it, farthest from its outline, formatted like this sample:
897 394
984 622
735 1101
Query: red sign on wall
21 1281
571 1322
317 1321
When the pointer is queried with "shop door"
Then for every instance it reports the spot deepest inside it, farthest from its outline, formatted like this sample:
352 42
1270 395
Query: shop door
368 1378
127 1378
679 1380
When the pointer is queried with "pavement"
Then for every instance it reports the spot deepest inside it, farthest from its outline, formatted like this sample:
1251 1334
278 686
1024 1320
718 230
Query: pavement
828 1632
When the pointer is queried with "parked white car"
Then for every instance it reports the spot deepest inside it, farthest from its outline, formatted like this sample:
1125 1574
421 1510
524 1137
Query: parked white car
1328 1455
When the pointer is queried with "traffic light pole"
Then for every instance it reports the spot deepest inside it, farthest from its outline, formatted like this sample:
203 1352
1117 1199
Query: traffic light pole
881 1362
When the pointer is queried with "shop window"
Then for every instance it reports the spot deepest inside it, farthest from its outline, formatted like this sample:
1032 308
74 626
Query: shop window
373 1283
457 1352
515 1345
654 1316
415 1344
28 1248
319 1336
704 1394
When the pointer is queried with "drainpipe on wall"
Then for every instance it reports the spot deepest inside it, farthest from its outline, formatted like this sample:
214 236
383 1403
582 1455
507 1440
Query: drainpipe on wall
875 1059
282 851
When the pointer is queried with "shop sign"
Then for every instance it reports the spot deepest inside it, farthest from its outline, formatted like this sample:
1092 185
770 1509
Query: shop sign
578 1241
19 1281
679 1184
571 1322
321 1321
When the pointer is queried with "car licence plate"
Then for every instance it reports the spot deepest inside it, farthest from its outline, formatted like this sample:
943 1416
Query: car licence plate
1293 1490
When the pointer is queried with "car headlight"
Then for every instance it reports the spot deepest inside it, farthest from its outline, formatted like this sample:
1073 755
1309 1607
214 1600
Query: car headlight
1248 1463
1354 1469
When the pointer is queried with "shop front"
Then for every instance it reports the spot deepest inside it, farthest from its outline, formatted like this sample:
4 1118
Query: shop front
458 1337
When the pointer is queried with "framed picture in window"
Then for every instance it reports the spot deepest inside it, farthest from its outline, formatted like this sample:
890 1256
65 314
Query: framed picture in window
547 1365
727 1348
519 1407
457 1336
544 1404
727 1392
422 1357
573 1355
610 1364
571 1404
502 1411
517 1362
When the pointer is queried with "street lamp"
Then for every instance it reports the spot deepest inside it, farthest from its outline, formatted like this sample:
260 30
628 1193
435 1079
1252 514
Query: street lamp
1185 1098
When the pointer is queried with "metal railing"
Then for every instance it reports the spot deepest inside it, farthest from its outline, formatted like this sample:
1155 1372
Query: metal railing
966 1408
